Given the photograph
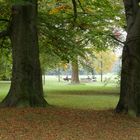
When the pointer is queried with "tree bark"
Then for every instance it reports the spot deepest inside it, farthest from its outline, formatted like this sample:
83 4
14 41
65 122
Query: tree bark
101 72
26 85
75 72
129 101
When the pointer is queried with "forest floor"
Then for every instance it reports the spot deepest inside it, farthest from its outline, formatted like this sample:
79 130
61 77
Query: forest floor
55 123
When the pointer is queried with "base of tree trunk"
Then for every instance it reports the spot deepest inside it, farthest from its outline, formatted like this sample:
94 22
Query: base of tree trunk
15 101
120 108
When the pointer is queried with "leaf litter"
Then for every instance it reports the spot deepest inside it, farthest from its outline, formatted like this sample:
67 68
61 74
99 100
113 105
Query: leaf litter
54 123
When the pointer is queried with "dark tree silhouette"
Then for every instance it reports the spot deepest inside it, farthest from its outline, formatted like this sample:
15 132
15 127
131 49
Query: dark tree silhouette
129 101
26 85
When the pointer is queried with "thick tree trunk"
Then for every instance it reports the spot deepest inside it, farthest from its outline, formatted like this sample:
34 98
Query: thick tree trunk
130 75
122 105
75 72
26 85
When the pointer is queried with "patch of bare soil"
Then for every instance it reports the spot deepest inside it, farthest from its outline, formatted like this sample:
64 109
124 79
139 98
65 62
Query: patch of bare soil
66 124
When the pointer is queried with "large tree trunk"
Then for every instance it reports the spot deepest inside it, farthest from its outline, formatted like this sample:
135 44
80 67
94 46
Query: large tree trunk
75 72
26 85
130 76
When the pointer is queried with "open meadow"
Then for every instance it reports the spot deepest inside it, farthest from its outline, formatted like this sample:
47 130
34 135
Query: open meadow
76 112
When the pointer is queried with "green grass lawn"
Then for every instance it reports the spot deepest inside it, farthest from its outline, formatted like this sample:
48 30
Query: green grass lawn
83 96
4 87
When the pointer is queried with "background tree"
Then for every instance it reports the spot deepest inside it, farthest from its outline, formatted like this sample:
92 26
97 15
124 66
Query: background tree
75 71
100 62
104 62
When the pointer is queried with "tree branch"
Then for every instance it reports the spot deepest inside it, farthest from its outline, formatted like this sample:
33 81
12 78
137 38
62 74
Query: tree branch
112 36
74 9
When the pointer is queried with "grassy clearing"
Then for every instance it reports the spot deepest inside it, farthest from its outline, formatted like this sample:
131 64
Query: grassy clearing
83 96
